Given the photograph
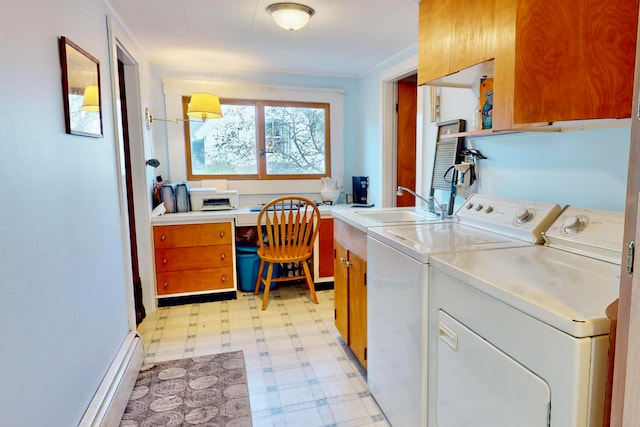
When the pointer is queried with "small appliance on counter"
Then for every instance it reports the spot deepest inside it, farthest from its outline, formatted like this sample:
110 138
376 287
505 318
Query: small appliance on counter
168 197
210 199
182 198
360 188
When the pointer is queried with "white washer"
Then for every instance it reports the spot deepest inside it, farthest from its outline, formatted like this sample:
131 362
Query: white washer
397 289
519 336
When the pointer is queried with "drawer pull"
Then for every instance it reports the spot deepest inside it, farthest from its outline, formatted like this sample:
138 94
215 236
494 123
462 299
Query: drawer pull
164 260
222 256
224 278
221 234
163 237
166 284
448 336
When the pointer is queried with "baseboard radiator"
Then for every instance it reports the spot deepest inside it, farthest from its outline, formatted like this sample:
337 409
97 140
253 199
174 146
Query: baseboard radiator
109 402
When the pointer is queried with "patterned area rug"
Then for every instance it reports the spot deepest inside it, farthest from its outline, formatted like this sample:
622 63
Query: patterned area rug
207 391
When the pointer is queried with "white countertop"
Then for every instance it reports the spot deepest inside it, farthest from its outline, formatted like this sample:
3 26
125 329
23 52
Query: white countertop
242 216
246 217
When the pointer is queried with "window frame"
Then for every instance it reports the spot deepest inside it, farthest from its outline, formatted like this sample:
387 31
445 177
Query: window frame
261 140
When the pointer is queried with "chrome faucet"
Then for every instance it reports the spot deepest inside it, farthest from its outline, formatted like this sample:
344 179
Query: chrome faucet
431 201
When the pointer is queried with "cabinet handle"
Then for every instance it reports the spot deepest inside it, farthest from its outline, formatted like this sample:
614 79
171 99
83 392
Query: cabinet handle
448 336
166 284
341 259
163 237
347 263
221 256
221 234
164 260
224 278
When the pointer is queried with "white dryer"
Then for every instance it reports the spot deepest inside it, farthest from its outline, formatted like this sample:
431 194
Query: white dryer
519 336
398 260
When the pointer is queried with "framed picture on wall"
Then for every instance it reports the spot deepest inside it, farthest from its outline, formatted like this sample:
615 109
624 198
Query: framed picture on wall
80 90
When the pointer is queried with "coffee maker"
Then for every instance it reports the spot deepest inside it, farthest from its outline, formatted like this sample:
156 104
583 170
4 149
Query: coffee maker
360 187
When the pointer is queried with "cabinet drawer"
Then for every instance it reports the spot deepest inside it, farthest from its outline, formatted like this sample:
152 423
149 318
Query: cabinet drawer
206 279
194 257
179 236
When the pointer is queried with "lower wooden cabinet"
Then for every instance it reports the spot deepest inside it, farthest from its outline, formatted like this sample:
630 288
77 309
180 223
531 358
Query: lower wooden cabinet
193 258
350 287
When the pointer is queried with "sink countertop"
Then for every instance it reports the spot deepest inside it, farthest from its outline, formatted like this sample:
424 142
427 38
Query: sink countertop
353 217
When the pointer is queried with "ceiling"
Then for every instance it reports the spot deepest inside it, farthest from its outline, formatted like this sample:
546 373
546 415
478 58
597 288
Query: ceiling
344 37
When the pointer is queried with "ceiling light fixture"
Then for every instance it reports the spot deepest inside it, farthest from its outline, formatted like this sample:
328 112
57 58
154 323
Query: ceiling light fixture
202 106
290 16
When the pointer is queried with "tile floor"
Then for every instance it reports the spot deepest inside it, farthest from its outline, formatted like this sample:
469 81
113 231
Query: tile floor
300 372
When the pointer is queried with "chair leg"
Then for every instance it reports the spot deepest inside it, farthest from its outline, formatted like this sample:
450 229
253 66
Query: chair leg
310 283
259 279
267 286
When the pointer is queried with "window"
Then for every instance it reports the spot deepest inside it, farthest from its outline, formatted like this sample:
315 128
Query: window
260 140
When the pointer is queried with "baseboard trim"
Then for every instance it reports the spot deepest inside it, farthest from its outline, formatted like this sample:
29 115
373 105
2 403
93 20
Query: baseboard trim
109 402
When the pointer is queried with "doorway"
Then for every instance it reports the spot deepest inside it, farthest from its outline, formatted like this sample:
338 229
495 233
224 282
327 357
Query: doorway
123 118
406 111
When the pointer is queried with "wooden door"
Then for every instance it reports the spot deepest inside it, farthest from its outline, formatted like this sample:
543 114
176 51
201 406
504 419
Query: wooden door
625 410
406 138
341 290
358 307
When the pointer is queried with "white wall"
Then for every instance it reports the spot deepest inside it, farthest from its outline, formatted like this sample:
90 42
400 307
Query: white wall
63 298
586 168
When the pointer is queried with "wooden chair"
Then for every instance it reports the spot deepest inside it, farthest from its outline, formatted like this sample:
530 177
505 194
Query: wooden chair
291 225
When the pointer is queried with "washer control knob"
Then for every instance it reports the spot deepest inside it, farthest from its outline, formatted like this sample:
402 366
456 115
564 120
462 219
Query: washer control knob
488 209
573 225
523 215
469 205
478 208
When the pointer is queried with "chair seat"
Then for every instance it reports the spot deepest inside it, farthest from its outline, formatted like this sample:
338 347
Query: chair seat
275 255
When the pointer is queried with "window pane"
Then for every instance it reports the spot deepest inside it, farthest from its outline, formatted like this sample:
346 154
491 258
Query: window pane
225 146
295 140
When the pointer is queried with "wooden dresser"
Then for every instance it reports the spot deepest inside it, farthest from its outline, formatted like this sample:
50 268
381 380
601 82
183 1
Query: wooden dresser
193 258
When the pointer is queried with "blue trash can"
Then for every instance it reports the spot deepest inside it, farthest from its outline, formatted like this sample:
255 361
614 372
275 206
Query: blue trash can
248 263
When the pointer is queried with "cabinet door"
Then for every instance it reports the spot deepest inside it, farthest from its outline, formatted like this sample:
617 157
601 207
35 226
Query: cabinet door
473 36
341 291
325 248
434 39
358 307
574 60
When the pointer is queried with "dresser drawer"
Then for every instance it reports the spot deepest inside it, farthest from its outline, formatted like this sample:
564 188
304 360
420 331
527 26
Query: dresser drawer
180 236
206 279
194 257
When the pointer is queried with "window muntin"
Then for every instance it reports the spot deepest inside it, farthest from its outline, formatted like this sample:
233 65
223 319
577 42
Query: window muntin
260 140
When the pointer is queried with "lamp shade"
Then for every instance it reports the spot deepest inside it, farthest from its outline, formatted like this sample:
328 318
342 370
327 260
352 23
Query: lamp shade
91 99
204 106
290 16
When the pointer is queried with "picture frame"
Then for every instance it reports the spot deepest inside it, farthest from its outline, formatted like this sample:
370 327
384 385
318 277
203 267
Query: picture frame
450 127
80 90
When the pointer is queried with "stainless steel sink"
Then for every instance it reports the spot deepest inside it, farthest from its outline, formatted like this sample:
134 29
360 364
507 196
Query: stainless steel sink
399 216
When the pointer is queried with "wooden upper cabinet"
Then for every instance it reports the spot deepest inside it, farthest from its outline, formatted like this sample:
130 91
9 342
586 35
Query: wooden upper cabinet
473 39
561 60
554 60
454 35
434 39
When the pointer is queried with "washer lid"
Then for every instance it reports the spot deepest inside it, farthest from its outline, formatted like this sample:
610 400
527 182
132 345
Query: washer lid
420 241
567 291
